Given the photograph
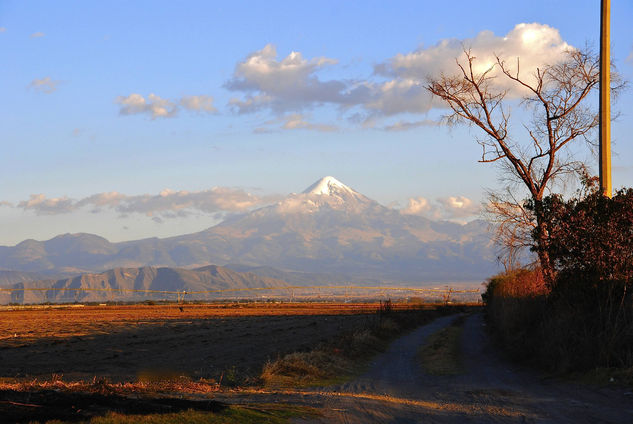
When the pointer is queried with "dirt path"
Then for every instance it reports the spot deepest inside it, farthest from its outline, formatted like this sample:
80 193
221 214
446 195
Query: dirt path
396 390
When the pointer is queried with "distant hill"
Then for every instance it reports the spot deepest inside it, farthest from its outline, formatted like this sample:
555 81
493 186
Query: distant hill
119 283
10 277
328 231
299 278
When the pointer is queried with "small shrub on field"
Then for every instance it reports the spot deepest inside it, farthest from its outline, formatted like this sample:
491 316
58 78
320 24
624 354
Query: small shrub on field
231 377
359 344
304 367
387 327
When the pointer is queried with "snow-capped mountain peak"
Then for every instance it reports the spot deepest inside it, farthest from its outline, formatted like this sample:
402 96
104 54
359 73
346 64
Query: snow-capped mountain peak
328 186
328 193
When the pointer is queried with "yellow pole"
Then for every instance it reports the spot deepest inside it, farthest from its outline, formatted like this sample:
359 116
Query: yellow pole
605 102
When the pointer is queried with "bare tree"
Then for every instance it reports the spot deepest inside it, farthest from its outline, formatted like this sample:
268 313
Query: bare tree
512 226
536 157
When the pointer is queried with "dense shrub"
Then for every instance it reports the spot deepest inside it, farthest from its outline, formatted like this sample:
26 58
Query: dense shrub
585 320
514 305
592 237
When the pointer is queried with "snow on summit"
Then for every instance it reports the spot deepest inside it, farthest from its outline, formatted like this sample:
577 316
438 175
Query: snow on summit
328 193
328 186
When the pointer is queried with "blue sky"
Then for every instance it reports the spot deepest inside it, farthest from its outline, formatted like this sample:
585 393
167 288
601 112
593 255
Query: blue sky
139 97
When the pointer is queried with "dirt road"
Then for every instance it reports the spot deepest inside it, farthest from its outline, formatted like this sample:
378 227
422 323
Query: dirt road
490 390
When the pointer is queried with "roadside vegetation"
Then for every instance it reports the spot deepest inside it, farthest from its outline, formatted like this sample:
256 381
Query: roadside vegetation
96 409
441 354
234 414
583 321
340 360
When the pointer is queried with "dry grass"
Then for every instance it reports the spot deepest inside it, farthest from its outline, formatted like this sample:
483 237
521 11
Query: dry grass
325 365
305 368
251 414
102 386
19 325
441 354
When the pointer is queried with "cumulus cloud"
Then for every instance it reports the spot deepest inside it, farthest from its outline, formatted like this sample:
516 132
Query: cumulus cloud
157 107
154 105
397 86
166 204
534 44
450 208
458 206
44 85
290 84
417 206
37 35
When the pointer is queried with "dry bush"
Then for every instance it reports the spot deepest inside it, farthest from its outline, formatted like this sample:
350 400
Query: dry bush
514 307
518 283
305 367
103 386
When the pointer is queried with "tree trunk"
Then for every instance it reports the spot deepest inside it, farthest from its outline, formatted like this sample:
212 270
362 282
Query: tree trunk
542 243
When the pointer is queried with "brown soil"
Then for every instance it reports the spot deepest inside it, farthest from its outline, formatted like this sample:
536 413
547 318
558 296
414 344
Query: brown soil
123 343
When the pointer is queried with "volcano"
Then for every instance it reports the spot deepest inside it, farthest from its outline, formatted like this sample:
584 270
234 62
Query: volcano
328 229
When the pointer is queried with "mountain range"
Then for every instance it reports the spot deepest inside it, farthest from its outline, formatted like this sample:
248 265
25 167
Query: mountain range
137 284
327 232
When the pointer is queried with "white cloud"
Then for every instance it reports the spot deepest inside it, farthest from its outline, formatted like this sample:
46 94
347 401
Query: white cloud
535 44
448 208
283 85
37 34
399 96
417 206
292 84
154 105
198 103
458 207
166 204
293 121
44 85
101 200
157 107
47 206
297 121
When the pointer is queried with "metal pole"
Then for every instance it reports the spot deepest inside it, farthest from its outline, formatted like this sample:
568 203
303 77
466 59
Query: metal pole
605 102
